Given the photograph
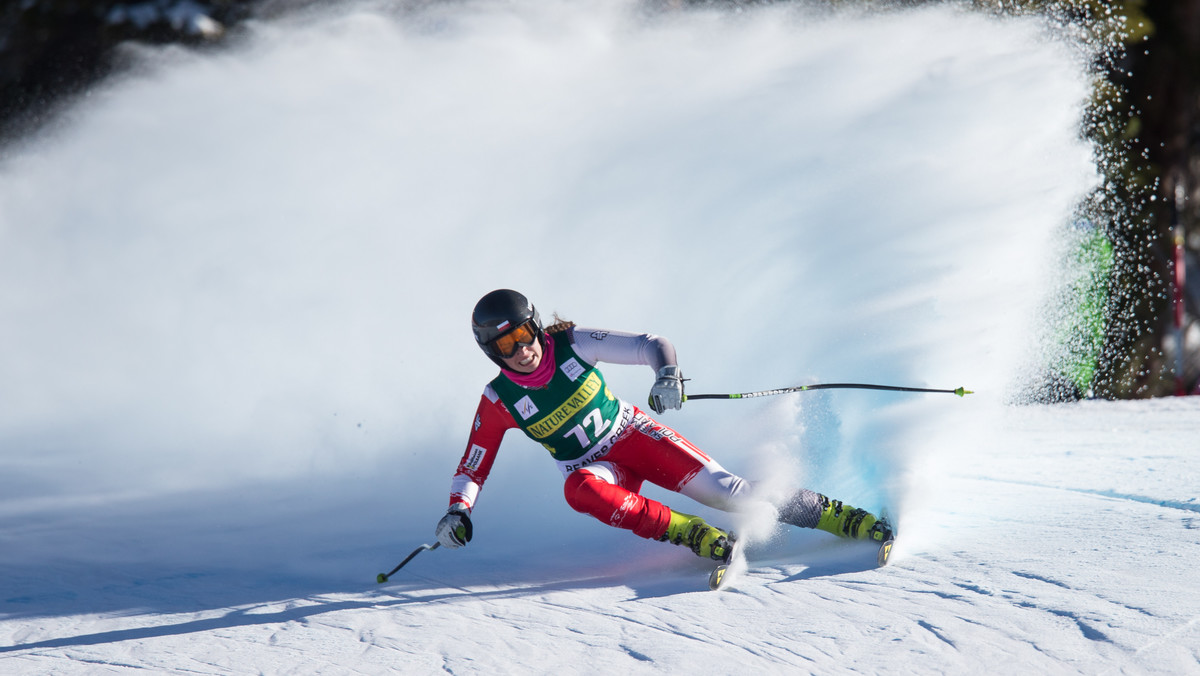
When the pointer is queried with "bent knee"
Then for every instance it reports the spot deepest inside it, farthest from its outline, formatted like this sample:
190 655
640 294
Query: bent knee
580 489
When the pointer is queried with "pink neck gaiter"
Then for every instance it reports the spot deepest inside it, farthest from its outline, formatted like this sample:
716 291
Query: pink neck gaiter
541 375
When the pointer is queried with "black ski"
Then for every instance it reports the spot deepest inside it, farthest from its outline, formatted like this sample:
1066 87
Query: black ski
885 548
885 552
719 576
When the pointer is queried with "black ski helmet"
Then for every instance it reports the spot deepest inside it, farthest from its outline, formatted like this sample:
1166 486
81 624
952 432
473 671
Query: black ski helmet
499 312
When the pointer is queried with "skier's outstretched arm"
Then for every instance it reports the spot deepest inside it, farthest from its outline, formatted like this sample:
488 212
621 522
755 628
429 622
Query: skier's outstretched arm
492 420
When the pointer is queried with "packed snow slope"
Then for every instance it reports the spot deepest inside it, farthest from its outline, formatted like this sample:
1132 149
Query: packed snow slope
237 373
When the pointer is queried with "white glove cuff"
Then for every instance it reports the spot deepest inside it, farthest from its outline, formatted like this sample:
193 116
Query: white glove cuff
670 371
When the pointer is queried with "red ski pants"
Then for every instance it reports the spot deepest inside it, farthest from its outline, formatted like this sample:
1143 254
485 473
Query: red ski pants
649 451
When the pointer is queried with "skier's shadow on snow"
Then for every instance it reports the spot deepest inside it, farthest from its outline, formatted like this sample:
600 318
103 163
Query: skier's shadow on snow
665 581
253 616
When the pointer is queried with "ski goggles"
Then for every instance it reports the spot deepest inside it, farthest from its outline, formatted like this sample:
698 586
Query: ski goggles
507 345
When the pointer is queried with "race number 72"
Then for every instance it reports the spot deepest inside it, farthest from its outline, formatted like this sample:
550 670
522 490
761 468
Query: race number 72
598 423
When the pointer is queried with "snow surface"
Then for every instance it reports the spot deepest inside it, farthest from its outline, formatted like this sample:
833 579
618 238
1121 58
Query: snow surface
234 291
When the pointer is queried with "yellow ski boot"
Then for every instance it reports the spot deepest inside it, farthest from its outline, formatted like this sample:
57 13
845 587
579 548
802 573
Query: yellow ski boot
851 522
695 533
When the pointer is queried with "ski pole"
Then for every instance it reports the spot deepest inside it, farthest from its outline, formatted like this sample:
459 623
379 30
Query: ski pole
383 577
825 386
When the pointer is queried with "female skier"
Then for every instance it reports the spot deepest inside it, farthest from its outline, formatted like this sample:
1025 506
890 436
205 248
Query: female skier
550 388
